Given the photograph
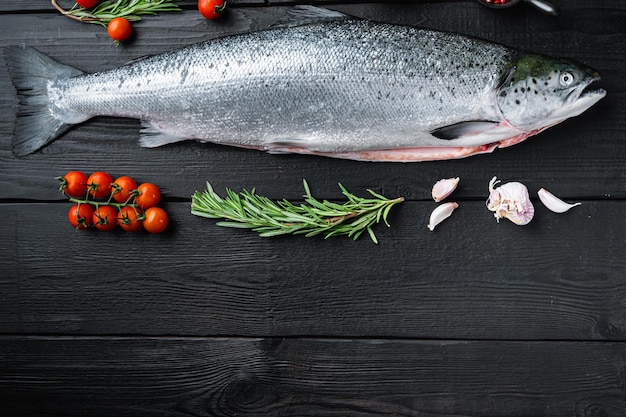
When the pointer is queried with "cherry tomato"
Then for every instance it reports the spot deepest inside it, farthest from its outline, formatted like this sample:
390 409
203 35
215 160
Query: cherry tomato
130 219
99 184
211 9
105 218
122 188
74 184
87 4
148 195
156 220
119 29
80 216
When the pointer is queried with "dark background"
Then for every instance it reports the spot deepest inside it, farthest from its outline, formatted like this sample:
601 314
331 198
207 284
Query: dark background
478 318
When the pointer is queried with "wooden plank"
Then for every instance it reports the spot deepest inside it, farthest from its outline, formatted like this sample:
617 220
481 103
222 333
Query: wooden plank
309 377
560 277
578 159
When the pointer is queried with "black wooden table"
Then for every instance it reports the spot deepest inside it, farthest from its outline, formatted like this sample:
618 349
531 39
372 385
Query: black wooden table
478 318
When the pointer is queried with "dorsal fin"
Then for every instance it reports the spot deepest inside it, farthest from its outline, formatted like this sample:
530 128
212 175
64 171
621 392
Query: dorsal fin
305 15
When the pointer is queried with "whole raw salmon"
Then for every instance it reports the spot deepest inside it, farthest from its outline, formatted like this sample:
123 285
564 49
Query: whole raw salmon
334 86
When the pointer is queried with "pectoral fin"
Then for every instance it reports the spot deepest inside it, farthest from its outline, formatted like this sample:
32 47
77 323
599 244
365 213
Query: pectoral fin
464 129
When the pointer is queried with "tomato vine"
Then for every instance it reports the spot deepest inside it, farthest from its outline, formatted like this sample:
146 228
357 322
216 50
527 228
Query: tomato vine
105 204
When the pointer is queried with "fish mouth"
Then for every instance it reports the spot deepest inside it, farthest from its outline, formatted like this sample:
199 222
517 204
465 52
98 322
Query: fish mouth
595 94
582 89
580 99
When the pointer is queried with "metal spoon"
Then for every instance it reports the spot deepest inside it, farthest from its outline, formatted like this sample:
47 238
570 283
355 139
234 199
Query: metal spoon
542 5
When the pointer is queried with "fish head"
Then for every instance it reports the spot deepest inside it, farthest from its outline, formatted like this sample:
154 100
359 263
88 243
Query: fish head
536 92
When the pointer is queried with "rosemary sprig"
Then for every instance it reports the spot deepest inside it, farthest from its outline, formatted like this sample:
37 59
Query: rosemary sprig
106 10
252 211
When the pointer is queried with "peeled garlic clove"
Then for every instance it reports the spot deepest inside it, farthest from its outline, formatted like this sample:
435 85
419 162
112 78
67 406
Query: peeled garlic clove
553 203
443 188
441 213
511 201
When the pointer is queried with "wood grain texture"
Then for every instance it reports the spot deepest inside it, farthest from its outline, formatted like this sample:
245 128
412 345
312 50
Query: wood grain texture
476 319
310 377
471 278
582 158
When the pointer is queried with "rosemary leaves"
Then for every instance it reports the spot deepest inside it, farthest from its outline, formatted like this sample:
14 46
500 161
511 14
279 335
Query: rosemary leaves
272 218
131 10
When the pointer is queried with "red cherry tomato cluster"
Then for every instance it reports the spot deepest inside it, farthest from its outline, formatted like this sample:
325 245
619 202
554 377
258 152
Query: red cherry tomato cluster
211 9
119 28
105 204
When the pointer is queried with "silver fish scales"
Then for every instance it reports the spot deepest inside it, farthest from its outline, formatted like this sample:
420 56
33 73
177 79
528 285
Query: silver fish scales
341 87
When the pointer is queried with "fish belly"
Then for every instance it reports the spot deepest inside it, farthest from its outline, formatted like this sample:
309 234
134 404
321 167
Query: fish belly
333 87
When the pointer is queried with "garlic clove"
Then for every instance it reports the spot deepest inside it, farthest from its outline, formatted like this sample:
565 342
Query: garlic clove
492 183
441 213
510 201
553 203
443 188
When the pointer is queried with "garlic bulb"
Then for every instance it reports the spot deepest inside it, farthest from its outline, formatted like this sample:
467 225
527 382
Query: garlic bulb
443 188
441 213
511 201
553 203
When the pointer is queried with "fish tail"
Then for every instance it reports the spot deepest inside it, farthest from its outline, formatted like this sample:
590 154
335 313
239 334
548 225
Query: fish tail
30 72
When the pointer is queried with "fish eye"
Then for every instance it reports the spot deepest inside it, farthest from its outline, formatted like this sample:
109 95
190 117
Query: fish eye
566 79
